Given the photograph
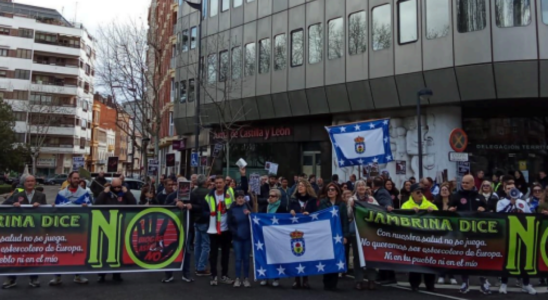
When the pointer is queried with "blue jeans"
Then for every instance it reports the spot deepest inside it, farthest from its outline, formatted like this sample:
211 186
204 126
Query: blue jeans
201 246
242 249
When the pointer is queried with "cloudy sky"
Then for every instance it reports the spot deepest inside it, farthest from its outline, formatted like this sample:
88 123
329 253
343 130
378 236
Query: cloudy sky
93 13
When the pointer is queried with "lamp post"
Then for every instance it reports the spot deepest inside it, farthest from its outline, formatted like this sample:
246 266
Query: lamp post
423 94
198 80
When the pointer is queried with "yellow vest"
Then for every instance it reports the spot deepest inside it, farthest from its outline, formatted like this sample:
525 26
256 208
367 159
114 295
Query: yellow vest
212 201
410 204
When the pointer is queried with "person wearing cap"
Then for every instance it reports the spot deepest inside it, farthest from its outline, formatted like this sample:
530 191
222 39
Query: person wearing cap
417 202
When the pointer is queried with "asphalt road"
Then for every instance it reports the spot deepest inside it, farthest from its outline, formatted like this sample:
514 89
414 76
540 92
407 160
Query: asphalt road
148 286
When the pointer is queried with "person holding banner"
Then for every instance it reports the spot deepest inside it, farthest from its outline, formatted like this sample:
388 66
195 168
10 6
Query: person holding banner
334 198
73 194
305 196
512 204
417 202
361 195
29 196
442 203
240 228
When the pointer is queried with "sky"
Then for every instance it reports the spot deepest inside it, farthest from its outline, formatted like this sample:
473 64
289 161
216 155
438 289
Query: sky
93 13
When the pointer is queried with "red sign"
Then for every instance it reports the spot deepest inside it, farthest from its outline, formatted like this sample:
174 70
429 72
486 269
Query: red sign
458 139
248 133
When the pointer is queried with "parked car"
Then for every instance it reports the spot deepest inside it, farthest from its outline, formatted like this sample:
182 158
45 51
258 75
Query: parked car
135 186
56 179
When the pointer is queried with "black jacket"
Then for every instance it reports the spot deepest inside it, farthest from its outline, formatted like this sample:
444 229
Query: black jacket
111 199
383 197
97 186
262 200
38 197
491 202
286 206
343 214
311 204
467 201
244 185
200 208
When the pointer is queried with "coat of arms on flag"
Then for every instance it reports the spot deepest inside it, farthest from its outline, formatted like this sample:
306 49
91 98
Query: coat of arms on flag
349 142
300 245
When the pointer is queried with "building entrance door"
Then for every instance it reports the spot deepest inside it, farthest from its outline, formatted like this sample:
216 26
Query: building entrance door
311 163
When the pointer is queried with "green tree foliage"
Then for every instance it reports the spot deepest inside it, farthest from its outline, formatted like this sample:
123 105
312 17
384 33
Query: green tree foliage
12 154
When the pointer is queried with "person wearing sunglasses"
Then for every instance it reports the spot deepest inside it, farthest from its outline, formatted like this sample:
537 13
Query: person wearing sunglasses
418 202
488 195
115 194
334 198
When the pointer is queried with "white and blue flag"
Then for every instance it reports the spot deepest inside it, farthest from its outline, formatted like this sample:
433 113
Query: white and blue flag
294 246
361 143
61 200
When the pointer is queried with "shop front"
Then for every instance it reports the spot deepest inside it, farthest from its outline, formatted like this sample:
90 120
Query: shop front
45 165
295 146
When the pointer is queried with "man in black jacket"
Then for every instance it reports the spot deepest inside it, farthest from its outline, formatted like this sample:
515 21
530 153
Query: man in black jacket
169 188
200 216
98 185
265 189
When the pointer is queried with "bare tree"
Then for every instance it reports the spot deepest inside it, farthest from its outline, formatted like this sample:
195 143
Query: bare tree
128 68
382 36
357 33
45 113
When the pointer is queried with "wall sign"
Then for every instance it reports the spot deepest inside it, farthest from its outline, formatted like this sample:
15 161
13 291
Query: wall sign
249 133
458 156
458 139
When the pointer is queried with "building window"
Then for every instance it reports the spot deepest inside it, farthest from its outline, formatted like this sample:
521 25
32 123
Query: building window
382 27
22 74
471 15
214 10
315 43
335 36
211 68
24 53
544 10
297 49
236 62
437 18
223 65
511 13
264 56
185 40
250 57
26 33
408 26
225 5
21 95
182 96
248 1
4 52
193 35
280 52
5 31
357 33
238 3
3 74
173 90
191 90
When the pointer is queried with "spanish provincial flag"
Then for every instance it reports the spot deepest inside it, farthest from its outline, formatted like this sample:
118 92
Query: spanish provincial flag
361 143
287 246
60 200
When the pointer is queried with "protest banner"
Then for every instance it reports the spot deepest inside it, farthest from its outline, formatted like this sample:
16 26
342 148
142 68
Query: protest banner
453 242
98 239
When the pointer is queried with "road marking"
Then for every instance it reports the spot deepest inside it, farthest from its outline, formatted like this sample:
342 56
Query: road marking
494 289
398 286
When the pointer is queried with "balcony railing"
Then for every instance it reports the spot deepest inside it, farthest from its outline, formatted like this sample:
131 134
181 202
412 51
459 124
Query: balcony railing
58 145
57 43
43 62
54 83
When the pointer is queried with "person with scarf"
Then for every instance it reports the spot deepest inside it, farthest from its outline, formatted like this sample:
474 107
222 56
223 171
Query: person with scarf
442 203
512 204
334 198
418 202
535 199
488 196
361 195
277 204
240 228
305 197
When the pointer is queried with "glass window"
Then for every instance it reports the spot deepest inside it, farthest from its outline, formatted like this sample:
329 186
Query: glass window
382 27
250 56
225 5
250 1
335 35
471 15
185 40
357 33
183 96
190 90
211 68
512 13
297 49
3 52
544 9
214 10
193 35
264 56
236 62
437 18
280 52
407 21
223 65
22 74
315 43
238 3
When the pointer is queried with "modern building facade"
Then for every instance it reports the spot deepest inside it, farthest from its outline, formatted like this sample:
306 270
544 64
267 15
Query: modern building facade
47 69
284 69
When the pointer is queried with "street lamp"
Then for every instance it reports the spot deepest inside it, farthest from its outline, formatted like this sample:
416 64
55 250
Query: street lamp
423 94
198 80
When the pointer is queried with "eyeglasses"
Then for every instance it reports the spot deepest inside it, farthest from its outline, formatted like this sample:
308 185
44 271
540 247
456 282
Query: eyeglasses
273 196
116 187
537 190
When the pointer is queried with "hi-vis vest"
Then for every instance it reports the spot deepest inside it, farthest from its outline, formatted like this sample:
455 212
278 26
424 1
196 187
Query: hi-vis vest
213 202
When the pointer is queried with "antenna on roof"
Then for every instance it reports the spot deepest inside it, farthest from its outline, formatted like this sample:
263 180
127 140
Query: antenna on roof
75 11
